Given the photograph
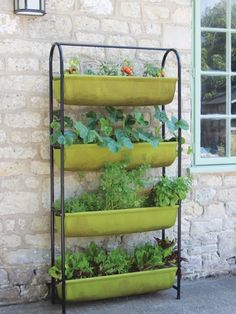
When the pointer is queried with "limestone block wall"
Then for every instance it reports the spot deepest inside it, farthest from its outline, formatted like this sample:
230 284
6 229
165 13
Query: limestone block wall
209 215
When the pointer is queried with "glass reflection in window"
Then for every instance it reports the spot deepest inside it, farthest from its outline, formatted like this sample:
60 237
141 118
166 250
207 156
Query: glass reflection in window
213 140
213 13
213 95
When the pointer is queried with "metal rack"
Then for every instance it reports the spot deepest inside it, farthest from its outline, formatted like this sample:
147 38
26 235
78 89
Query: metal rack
60 46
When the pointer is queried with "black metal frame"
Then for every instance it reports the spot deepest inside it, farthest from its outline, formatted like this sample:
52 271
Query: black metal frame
60 50
27 11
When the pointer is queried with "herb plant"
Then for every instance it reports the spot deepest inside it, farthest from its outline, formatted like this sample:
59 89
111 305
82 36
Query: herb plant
167 192
119 188
95 261
88 201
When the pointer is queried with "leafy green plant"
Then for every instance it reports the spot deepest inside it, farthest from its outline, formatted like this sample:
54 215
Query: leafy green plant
117 262
173 124
95 261
88 201
148 256
152 70
119 188
108 68
167 192
113 129
73 67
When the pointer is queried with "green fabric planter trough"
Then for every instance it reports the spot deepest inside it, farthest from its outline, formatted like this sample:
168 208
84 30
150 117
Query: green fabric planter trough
91 157
92 90
119 221
118 285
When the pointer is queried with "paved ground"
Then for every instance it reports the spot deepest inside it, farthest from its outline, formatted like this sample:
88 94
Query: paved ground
205 296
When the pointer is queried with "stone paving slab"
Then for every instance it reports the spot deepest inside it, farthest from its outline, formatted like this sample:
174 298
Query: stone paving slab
205 296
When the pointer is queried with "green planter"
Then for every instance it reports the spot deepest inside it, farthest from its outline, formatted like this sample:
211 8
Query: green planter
119 221
92 90
91 157
118 285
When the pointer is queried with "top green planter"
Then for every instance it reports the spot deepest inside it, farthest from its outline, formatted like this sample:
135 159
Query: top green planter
92 90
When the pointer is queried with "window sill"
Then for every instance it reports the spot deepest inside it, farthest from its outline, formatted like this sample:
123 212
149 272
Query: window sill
212 169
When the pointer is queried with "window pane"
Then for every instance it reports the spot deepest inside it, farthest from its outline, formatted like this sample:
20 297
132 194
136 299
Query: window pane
213 95
233 53
213 13
233 137
233 95
213 138
233 12
213 51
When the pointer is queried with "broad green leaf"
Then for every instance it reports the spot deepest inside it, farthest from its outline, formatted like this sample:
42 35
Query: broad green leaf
160 115
54 137
140 118
83 130
61 140
91 114
56 125
68 122
182 124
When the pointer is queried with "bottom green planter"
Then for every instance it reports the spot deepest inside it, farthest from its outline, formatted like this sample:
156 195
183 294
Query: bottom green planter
118 221
118 285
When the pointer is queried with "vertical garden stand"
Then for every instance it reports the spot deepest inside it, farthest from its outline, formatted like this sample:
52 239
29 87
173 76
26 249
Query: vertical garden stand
61 158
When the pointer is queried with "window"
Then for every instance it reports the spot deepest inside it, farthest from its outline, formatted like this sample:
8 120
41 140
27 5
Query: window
215 82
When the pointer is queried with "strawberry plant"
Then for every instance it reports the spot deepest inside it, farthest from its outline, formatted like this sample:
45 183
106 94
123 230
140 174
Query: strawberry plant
124 68
113 129
73 68
152 70
127 68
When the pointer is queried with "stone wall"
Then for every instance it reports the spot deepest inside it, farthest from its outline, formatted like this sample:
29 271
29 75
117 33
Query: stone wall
209 215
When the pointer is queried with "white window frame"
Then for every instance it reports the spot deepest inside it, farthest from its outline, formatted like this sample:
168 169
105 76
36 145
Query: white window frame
197 72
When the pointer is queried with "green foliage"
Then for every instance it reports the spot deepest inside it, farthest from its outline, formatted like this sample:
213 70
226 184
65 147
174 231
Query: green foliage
73 67
152 70
167 192
88 201
114 129
119 188
173 124
96 261
117 262
147 256
108 68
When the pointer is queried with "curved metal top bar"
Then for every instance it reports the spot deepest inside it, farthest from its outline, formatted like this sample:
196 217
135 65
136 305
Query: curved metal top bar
167 53
110 46
58 45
